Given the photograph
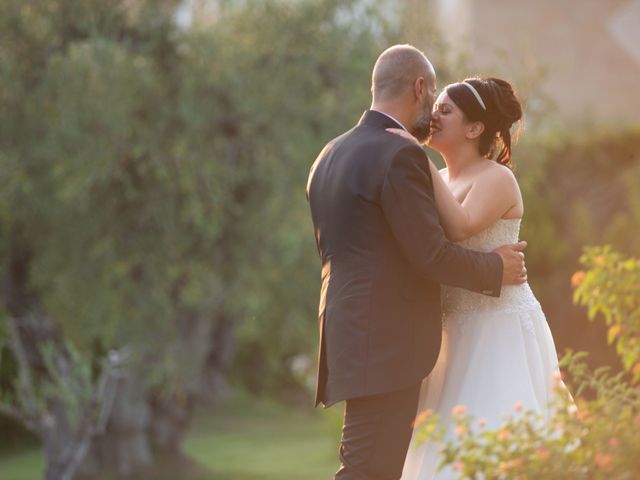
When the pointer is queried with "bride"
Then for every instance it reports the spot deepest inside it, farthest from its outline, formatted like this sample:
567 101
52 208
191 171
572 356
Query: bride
496 352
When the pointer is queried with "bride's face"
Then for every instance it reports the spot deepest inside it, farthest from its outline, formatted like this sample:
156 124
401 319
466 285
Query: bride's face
448 124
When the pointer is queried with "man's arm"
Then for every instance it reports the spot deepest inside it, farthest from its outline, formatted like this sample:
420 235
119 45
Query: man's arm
409 206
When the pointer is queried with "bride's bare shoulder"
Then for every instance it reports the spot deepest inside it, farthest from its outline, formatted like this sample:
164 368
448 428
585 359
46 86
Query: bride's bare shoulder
495 174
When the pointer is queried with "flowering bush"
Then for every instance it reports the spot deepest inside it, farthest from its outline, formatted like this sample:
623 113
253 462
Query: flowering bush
610 288
592 435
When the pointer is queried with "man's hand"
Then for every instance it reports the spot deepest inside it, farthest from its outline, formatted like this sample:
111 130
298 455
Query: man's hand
513 272
403 133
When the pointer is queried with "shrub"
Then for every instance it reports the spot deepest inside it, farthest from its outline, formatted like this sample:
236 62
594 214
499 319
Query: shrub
591 435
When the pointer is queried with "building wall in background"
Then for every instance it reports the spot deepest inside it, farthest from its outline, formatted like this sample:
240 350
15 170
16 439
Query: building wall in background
588 49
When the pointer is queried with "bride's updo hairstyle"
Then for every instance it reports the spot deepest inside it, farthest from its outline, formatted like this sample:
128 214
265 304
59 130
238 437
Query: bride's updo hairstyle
493 102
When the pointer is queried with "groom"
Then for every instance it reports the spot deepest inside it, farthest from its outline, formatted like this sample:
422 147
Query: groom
384 256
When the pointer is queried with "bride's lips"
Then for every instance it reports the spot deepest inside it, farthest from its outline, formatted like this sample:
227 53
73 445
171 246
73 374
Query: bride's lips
434 129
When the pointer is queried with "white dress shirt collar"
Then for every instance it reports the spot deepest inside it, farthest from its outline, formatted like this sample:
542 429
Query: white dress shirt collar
395 120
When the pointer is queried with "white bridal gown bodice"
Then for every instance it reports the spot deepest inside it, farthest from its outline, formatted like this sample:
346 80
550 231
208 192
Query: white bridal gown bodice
457 301
496 352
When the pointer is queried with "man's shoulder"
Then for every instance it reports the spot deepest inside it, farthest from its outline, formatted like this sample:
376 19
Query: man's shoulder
373 145
378 140
335 142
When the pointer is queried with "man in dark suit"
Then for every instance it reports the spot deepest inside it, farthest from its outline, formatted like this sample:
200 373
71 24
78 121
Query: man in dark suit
384 256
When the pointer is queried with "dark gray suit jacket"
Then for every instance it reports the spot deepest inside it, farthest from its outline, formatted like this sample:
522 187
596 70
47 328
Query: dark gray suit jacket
384 256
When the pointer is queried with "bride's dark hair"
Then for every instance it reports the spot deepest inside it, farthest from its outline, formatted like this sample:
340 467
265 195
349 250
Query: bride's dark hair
503 109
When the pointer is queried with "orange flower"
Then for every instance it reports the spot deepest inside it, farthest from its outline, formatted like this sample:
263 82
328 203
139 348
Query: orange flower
458 410
558 377
458 466
604 460
614 442
582 414
482 422
422 417
580 409
504 467
599 260
518 406
614 331
577 279
543 454
460 430
503 434
515 463
636 369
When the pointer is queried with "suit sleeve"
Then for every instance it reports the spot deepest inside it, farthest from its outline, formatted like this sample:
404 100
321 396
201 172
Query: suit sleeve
408 203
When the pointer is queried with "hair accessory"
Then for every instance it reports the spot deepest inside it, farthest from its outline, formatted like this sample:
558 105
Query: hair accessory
476 94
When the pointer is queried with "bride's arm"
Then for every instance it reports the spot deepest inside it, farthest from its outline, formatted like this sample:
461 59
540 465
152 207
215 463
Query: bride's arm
493 194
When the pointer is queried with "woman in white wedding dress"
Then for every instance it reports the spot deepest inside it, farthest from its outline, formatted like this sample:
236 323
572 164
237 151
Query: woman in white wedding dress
496 352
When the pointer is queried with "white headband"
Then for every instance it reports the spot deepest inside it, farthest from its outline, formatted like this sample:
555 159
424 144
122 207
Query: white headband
476 94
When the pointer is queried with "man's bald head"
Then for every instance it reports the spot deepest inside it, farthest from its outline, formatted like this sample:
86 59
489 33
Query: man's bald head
396 70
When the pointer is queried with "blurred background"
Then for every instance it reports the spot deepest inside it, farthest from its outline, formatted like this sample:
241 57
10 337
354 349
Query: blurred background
159 273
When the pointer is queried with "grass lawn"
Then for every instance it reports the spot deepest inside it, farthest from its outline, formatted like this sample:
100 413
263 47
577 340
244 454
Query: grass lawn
243 439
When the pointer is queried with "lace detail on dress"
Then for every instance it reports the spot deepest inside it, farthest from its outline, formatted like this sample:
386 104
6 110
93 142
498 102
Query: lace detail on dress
457 302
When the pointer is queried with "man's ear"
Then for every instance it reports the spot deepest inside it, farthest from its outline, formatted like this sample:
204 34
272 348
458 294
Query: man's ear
419 87
475 130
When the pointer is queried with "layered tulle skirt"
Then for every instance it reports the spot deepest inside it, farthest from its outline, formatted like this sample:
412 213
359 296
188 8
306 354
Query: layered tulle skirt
491 359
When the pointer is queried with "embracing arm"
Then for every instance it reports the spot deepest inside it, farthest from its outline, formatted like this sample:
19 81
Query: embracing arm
494 193
408 203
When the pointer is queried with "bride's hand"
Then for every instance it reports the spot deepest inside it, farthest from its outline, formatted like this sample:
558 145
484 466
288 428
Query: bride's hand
403 133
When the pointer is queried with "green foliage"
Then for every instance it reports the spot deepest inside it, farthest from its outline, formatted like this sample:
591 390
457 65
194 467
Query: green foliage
289 100
156 176
610 289
593 437
579 189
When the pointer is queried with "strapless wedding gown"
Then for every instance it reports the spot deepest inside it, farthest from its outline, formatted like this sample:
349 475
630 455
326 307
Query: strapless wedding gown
495 353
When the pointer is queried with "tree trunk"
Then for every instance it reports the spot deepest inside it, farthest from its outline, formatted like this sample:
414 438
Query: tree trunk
147 428
48 373
124 447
